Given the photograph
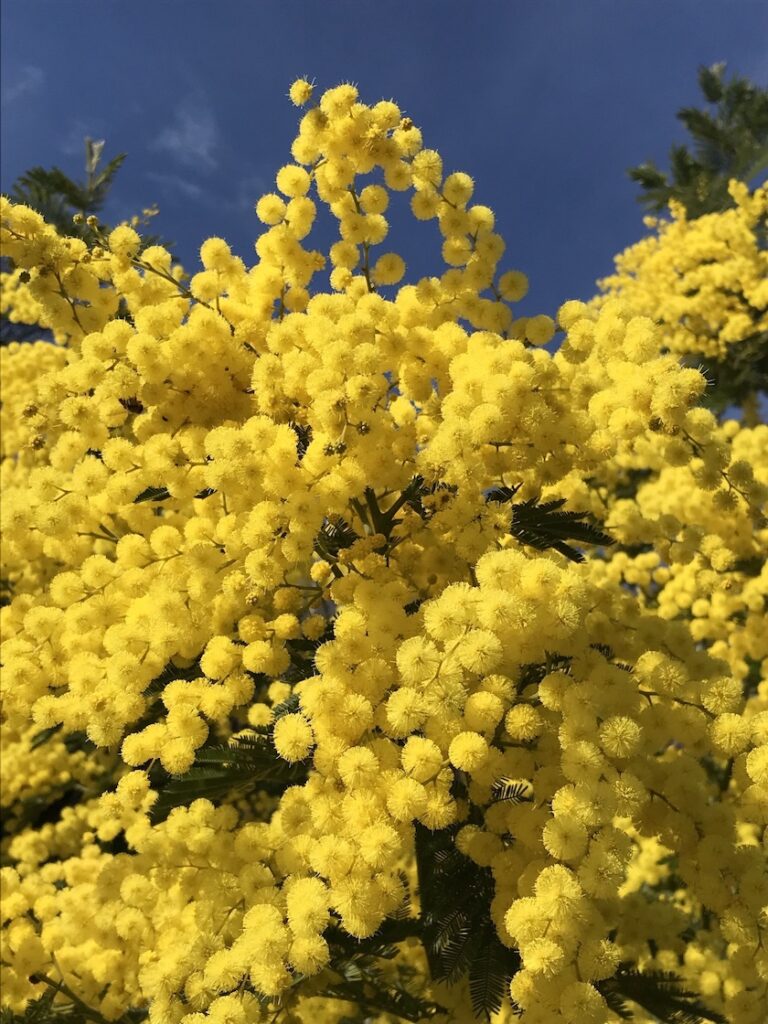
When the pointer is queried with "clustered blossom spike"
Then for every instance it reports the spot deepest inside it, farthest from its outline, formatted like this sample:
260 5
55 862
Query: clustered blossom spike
705 279
249 507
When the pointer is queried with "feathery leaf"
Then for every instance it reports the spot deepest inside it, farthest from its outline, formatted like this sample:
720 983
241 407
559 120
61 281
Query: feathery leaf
543 525
510 791
659 993
247 764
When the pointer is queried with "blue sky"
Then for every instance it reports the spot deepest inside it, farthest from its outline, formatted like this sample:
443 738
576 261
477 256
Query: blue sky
544 102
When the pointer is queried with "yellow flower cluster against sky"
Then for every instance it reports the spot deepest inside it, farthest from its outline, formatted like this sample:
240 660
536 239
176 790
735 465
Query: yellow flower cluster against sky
319 510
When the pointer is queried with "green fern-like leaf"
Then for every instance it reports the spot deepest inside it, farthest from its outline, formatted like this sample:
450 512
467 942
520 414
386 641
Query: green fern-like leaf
489 974
617 1004
711 82
303 438
152 494
49 185
458 934
43 736
729 140
44 1011
510 791
250 763
289 706
660 993
58 197
59 1005
543 525
334 535
363 984
101 183
170 674
502 494
6 591
416 491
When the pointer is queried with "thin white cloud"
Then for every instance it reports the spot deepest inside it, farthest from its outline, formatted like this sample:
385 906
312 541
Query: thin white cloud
30 79
175 183
249 190
193 135
73 143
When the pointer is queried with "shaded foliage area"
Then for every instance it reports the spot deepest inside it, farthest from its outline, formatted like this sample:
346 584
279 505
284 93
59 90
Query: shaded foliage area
458 933
659 993
544 525
73 206
59 198
243 766
728 139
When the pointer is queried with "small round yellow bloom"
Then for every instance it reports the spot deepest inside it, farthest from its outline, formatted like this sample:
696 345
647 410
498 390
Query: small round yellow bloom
620 736
731 734
421 758
513 285
301 92
406 800
523 722
542 956
581 1003
270 209
293 737
215 254
124 241
468 751
374 199
293 181
458 188
565 838
539 329
309 954
388 269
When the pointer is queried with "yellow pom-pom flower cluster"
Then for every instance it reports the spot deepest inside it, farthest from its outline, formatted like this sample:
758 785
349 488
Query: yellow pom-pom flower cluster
705 279
281 625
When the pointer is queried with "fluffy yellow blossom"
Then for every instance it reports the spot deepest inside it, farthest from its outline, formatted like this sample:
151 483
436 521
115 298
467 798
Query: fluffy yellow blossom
703 278
326 595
